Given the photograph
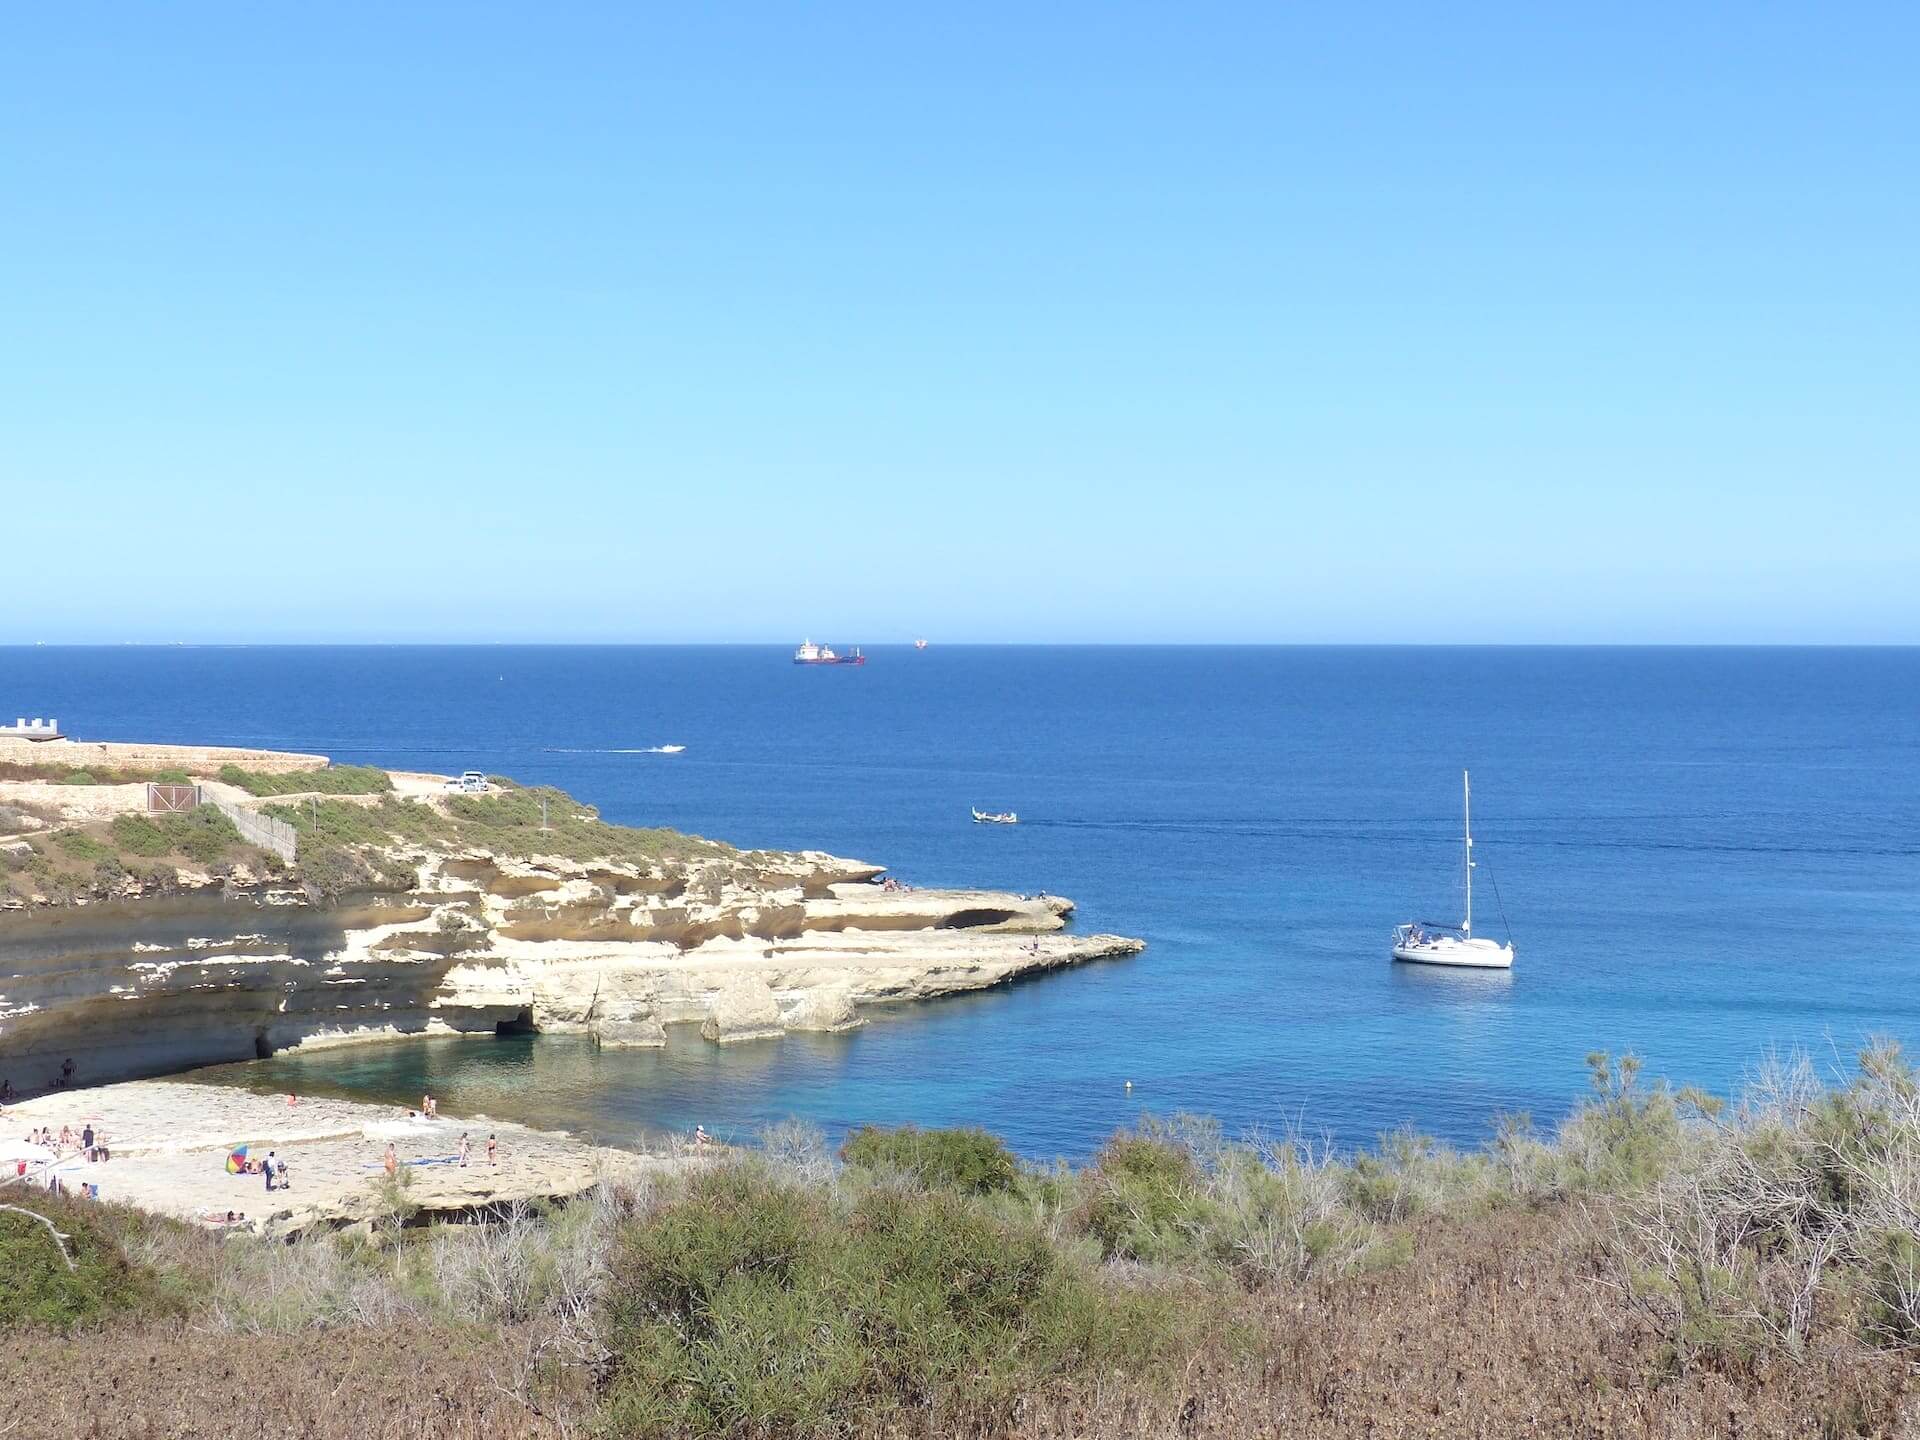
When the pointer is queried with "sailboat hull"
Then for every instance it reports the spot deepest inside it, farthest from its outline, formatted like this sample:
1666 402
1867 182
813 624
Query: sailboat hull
1461 954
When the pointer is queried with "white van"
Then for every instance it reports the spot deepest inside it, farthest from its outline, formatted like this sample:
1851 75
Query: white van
470 782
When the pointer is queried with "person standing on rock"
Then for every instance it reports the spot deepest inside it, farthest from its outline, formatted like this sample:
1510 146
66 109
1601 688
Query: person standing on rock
267 1170
466 1149
493 1150
392 1161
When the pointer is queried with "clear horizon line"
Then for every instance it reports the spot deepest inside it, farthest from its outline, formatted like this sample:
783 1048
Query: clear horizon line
966 644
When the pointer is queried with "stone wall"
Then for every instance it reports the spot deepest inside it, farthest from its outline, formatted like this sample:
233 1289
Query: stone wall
194 759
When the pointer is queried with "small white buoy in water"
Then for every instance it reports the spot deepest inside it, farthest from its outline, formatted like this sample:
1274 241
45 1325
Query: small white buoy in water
1129 1084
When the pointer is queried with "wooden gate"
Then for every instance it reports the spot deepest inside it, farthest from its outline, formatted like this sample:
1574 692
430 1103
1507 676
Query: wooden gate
171 799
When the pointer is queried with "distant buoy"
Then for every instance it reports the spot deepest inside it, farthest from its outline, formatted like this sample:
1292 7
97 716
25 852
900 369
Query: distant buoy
1129 1084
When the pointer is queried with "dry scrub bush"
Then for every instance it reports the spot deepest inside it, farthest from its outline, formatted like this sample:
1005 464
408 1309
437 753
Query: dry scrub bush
799 1152
1803 1199
317 1281
1284 1211
1174 1193
513 1267
1656 1266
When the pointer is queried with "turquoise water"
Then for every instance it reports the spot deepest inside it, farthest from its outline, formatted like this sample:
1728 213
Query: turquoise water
1700 854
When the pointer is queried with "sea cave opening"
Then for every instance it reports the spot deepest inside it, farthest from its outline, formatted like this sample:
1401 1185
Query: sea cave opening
974 919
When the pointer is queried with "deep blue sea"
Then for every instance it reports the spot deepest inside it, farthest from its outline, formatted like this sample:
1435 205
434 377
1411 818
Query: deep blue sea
1701 853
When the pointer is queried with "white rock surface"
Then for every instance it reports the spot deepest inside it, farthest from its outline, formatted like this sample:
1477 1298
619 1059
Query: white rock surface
828 1008
749 945
743 1009
169 1142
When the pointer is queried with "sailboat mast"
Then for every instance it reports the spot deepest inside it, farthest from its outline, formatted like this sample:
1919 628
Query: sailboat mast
1466 811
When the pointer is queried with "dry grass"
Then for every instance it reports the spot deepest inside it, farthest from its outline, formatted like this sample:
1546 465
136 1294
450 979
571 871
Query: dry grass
1494 1328
357 1384
1660 1267
1499 1326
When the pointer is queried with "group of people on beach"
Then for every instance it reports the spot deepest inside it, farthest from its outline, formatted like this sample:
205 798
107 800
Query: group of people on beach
85 1141
69 1143
58 1184
430 1110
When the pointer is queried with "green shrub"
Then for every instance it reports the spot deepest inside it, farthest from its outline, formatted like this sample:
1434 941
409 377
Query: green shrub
202 834
970 1160
1893 1278
732 1222
81 846
138 835
37 1288
1145 1201
78 777
1409 1174
511 821
749 1306
332 870
1624 1138
334 780
1146 1159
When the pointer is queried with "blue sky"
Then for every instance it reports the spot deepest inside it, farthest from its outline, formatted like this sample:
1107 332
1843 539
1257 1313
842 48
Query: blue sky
1210 322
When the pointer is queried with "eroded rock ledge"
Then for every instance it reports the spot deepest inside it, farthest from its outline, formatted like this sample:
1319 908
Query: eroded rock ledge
745 945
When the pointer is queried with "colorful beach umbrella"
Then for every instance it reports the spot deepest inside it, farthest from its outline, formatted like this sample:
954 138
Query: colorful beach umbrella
237 1161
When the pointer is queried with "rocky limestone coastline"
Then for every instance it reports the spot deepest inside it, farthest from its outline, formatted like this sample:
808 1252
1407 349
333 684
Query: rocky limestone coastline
150 978
168 1142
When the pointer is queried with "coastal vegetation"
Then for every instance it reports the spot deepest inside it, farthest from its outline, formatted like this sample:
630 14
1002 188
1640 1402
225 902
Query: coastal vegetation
92 861
1661 1263
353 834
345 844
971 1161
91 774
333 780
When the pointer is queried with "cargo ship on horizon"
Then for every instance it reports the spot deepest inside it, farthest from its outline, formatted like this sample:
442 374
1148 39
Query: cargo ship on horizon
812 654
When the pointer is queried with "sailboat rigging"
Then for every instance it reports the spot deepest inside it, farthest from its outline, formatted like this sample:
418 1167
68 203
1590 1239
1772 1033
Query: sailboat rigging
1425 943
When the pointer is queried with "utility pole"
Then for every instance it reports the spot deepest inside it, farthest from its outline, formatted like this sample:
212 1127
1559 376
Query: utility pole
543 813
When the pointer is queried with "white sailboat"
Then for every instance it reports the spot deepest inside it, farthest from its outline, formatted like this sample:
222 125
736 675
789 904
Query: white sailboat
1428 944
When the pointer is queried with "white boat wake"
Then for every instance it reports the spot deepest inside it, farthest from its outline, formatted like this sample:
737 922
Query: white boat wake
614 750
